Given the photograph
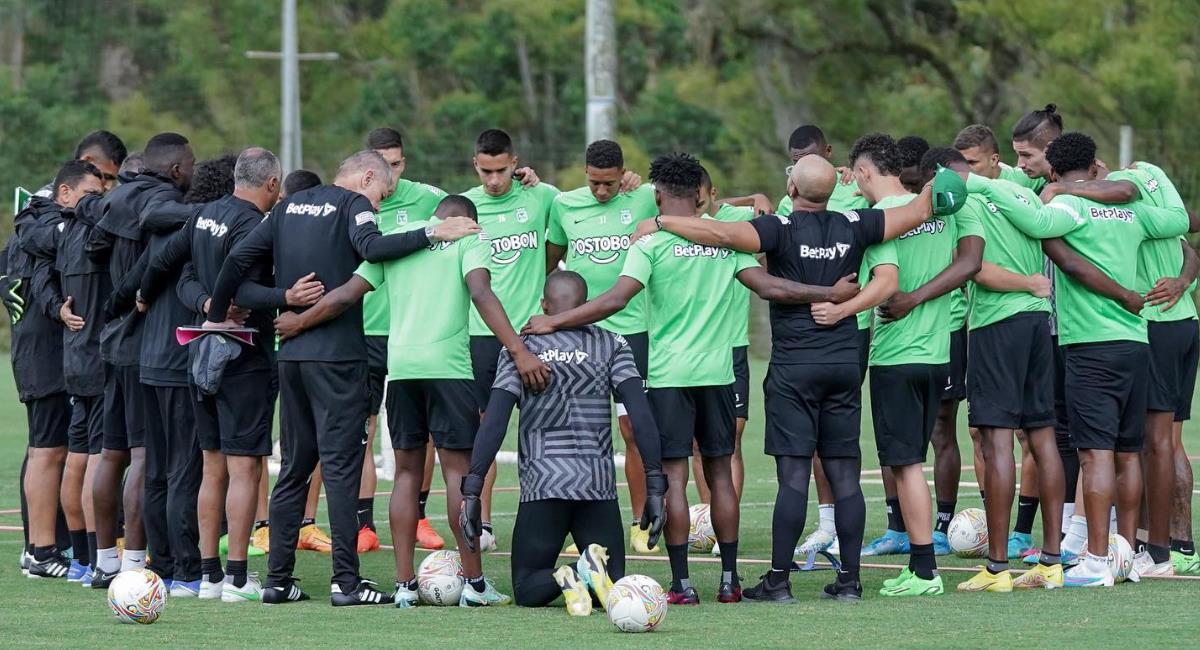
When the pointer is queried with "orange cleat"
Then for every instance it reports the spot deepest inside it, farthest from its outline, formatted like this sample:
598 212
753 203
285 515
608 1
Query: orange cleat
367 540
312 538
427 537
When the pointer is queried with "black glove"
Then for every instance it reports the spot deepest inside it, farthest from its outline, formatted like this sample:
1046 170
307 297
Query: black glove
654 516
470 513
10 295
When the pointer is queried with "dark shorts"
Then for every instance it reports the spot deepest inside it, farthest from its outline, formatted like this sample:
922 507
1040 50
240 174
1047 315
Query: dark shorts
1010 382
904 406
124 408
86 434
700 413
1174 347
443 408
377 371
864 353
639 345
955 387
813 408
237 420
49 420
741 382
485 354
1106 394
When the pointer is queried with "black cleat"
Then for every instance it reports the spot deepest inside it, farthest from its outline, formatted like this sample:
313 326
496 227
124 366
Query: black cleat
102 579
729 592
686 597
846 592
287 593
55 566
364 594
765 592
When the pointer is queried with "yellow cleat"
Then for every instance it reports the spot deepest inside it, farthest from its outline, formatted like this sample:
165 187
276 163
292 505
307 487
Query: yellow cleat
312 538
1040 577
985 581
571 549
261 539
639 540
575 593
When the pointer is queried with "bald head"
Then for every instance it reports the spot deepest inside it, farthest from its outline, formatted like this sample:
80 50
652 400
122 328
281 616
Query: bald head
812 179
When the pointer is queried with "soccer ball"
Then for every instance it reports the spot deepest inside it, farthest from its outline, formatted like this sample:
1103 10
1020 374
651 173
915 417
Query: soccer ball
968 533
137 596
439 578
636 603
1120 557
701 535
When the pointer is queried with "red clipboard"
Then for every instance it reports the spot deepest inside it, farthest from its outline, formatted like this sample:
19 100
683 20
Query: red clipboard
185 334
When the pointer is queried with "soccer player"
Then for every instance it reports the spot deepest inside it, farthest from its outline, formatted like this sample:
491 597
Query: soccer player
691 325
37 356
591 227
430 392
912 149
1107 357
1030 137
515 217
105 151
327 230
567 474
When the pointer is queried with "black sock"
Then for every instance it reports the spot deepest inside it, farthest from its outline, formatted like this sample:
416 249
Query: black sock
776 577
982 496
43 553
261 523
308 521
996 566
486 525
237 571
729 559
678 554
210 568
922 562
847 577
945 512
895 517
422 499
1185 546
79 546
478 584
1158 553
1049 559
410 584
91 537
366 513
1026 511
29 548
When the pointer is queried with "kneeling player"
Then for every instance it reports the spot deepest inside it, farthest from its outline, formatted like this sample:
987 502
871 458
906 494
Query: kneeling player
566 458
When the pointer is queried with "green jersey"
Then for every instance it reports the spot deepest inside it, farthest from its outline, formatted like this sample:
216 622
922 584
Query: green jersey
741 295
922 335
516 225
845 197
1107 236
1012 250
968 222
596 236
1015 175
410 202
877 255
691 315
1158 258
427 338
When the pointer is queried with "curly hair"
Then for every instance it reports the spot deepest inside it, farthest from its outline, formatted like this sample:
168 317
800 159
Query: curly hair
881 149
677 174
1071 152
912 147
944 156
604 154
212 180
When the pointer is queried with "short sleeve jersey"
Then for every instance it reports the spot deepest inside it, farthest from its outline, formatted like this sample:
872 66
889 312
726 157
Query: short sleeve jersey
565 433
923 335
968 222
692 320
516 226
596 236
1015 175
741 295
844 197
1014 251
815 248
427 336
410 202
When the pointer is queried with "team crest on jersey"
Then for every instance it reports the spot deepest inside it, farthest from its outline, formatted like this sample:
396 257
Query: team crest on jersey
1152 185
522 215
626 217
401 217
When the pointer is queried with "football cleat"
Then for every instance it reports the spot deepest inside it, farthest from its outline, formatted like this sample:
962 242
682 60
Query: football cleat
86 580
686 597
914 585
251 551
55 566
78 571
1019 544
102 579
941 543
639 541
430 540
312 538
905 574
890 543
252 591
211 590
847 592
489 597
1145 567
487 541
260 541
404 597
1094 573
592 568
1041 576
185 589
729 592
26 560
571 549
364 594
289 592
819 540
1186 563
985 580
765 592
575 593
368 540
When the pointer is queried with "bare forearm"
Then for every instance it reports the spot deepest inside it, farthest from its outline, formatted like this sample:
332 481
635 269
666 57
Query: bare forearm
1191 264
998 278
738 236
1074 265
883 285
962 269
494 316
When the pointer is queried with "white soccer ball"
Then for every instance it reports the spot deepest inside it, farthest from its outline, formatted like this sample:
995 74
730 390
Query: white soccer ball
1120 557
636 603
701 534
137 596
439 578
968 533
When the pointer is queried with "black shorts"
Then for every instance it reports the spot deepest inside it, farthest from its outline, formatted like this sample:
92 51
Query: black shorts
1174 346
49 420
700 413
443 408
124 408
904 406
639 345
813 408
741 382
864 353
237 420
376 371
485 354
1106 394
955 387
1010 382
86 434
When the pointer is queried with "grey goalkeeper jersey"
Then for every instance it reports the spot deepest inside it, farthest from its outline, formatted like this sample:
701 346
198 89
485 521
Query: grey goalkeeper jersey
565 433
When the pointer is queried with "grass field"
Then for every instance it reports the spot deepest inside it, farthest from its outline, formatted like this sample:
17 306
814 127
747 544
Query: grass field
1153 614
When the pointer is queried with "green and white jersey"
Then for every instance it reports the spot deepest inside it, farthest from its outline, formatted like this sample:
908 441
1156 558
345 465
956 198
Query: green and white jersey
427 337
410 202
1015 175
597 237
1158 258
516 227
691 314
877 255
922 336
968 222
1012 250
845 197
741 295
1107 236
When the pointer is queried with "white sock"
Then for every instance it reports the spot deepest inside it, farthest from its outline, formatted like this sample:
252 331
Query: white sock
1068 512
1096 563
107 559
1076 535
825 512
133 560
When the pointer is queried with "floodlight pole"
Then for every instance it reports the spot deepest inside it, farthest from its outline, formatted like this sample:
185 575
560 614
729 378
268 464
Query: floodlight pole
600 70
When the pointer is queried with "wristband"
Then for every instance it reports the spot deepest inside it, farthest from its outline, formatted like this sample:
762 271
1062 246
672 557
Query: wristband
658 221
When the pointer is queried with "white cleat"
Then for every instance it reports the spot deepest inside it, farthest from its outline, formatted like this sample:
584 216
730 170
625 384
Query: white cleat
487 542
251 592
1144 567
210 590
818 541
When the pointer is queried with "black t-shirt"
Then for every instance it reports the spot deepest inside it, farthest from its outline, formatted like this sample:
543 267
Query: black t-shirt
816 248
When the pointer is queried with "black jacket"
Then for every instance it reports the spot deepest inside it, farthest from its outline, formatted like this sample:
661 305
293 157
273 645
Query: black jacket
37 341
81 278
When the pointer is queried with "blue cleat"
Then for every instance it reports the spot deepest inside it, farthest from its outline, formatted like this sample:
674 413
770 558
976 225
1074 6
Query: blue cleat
890 543
78 571
1019 544
941 543
185 589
